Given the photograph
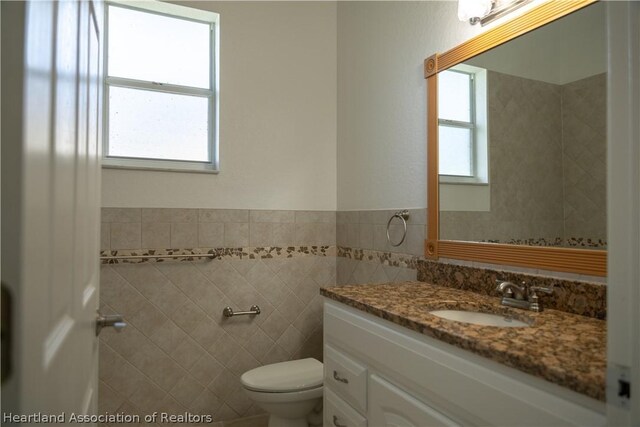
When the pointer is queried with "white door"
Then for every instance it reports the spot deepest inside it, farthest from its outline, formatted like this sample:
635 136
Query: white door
52 182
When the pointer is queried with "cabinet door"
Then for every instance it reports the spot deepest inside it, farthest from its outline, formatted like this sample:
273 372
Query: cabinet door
390 406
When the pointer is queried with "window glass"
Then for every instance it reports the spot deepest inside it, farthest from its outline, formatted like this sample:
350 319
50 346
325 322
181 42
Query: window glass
157 48
160 95
456 104
455 151
157 125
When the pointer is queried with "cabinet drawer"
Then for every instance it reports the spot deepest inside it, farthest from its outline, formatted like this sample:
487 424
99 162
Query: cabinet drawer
346 377
338 413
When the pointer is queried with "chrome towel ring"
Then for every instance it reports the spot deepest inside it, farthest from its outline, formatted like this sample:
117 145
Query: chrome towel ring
403 215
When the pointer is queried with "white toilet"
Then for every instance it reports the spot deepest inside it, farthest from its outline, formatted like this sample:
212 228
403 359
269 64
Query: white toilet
288 391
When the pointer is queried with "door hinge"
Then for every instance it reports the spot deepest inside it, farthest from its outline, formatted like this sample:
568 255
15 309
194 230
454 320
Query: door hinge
619 385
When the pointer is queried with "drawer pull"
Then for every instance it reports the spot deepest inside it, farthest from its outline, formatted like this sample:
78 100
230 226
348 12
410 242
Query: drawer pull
339 378
336 423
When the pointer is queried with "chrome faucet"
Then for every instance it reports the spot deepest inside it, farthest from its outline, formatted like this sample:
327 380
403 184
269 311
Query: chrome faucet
521 296
511 290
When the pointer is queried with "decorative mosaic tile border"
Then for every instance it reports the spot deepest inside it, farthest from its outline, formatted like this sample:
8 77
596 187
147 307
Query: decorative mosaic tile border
385 258
542 241
586 242
218 253
572 296
571 242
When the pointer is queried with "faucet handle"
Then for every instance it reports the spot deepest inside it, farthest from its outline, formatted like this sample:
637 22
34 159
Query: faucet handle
534 300
542 289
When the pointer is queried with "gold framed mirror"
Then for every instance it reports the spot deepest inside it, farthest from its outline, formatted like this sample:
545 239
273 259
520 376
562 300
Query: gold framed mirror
555 257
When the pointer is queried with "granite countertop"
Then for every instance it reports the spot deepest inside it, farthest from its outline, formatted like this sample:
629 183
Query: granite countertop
563 348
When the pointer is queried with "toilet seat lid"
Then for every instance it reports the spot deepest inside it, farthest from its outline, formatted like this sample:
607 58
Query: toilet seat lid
294 375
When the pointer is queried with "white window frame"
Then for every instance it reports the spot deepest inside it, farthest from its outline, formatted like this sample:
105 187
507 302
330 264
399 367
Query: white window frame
180 12
479 128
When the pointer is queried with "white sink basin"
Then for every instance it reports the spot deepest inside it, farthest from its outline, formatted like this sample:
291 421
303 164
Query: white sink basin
476 318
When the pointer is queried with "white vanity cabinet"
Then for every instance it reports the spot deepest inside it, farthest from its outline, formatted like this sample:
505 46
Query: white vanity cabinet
380 374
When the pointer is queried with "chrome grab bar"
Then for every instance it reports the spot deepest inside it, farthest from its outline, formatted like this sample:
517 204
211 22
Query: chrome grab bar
228 311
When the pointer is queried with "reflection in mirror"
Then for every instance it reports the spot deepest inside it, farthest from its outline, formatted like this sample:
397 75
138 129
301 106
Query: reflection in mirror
522 139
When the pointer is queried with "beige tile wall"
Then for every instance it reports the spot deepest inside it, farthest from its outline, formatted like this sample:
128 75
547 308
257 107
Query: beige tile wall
368 230
584 121
355 272
161 228
178 353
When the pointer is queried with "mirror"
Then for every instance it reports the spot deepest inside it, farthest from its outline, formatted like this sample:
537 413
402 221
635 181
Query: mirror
520 145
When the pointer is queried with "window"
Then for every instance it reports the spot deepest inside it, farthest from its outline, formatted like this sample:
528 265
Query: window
462 128
161 87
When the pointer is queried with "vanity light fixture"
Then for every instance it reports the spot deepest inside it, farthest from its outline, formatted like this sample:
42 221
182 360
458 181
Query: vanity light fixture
485 11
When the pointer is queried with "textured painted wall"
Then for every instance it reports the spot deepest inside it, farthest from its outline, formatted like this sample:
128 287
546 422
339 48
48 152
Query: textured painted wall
381 98
576 46
277 116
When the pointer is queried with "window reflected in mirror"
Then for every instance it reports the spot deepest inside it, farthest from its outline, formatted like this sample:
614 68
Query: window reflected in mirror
535 108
